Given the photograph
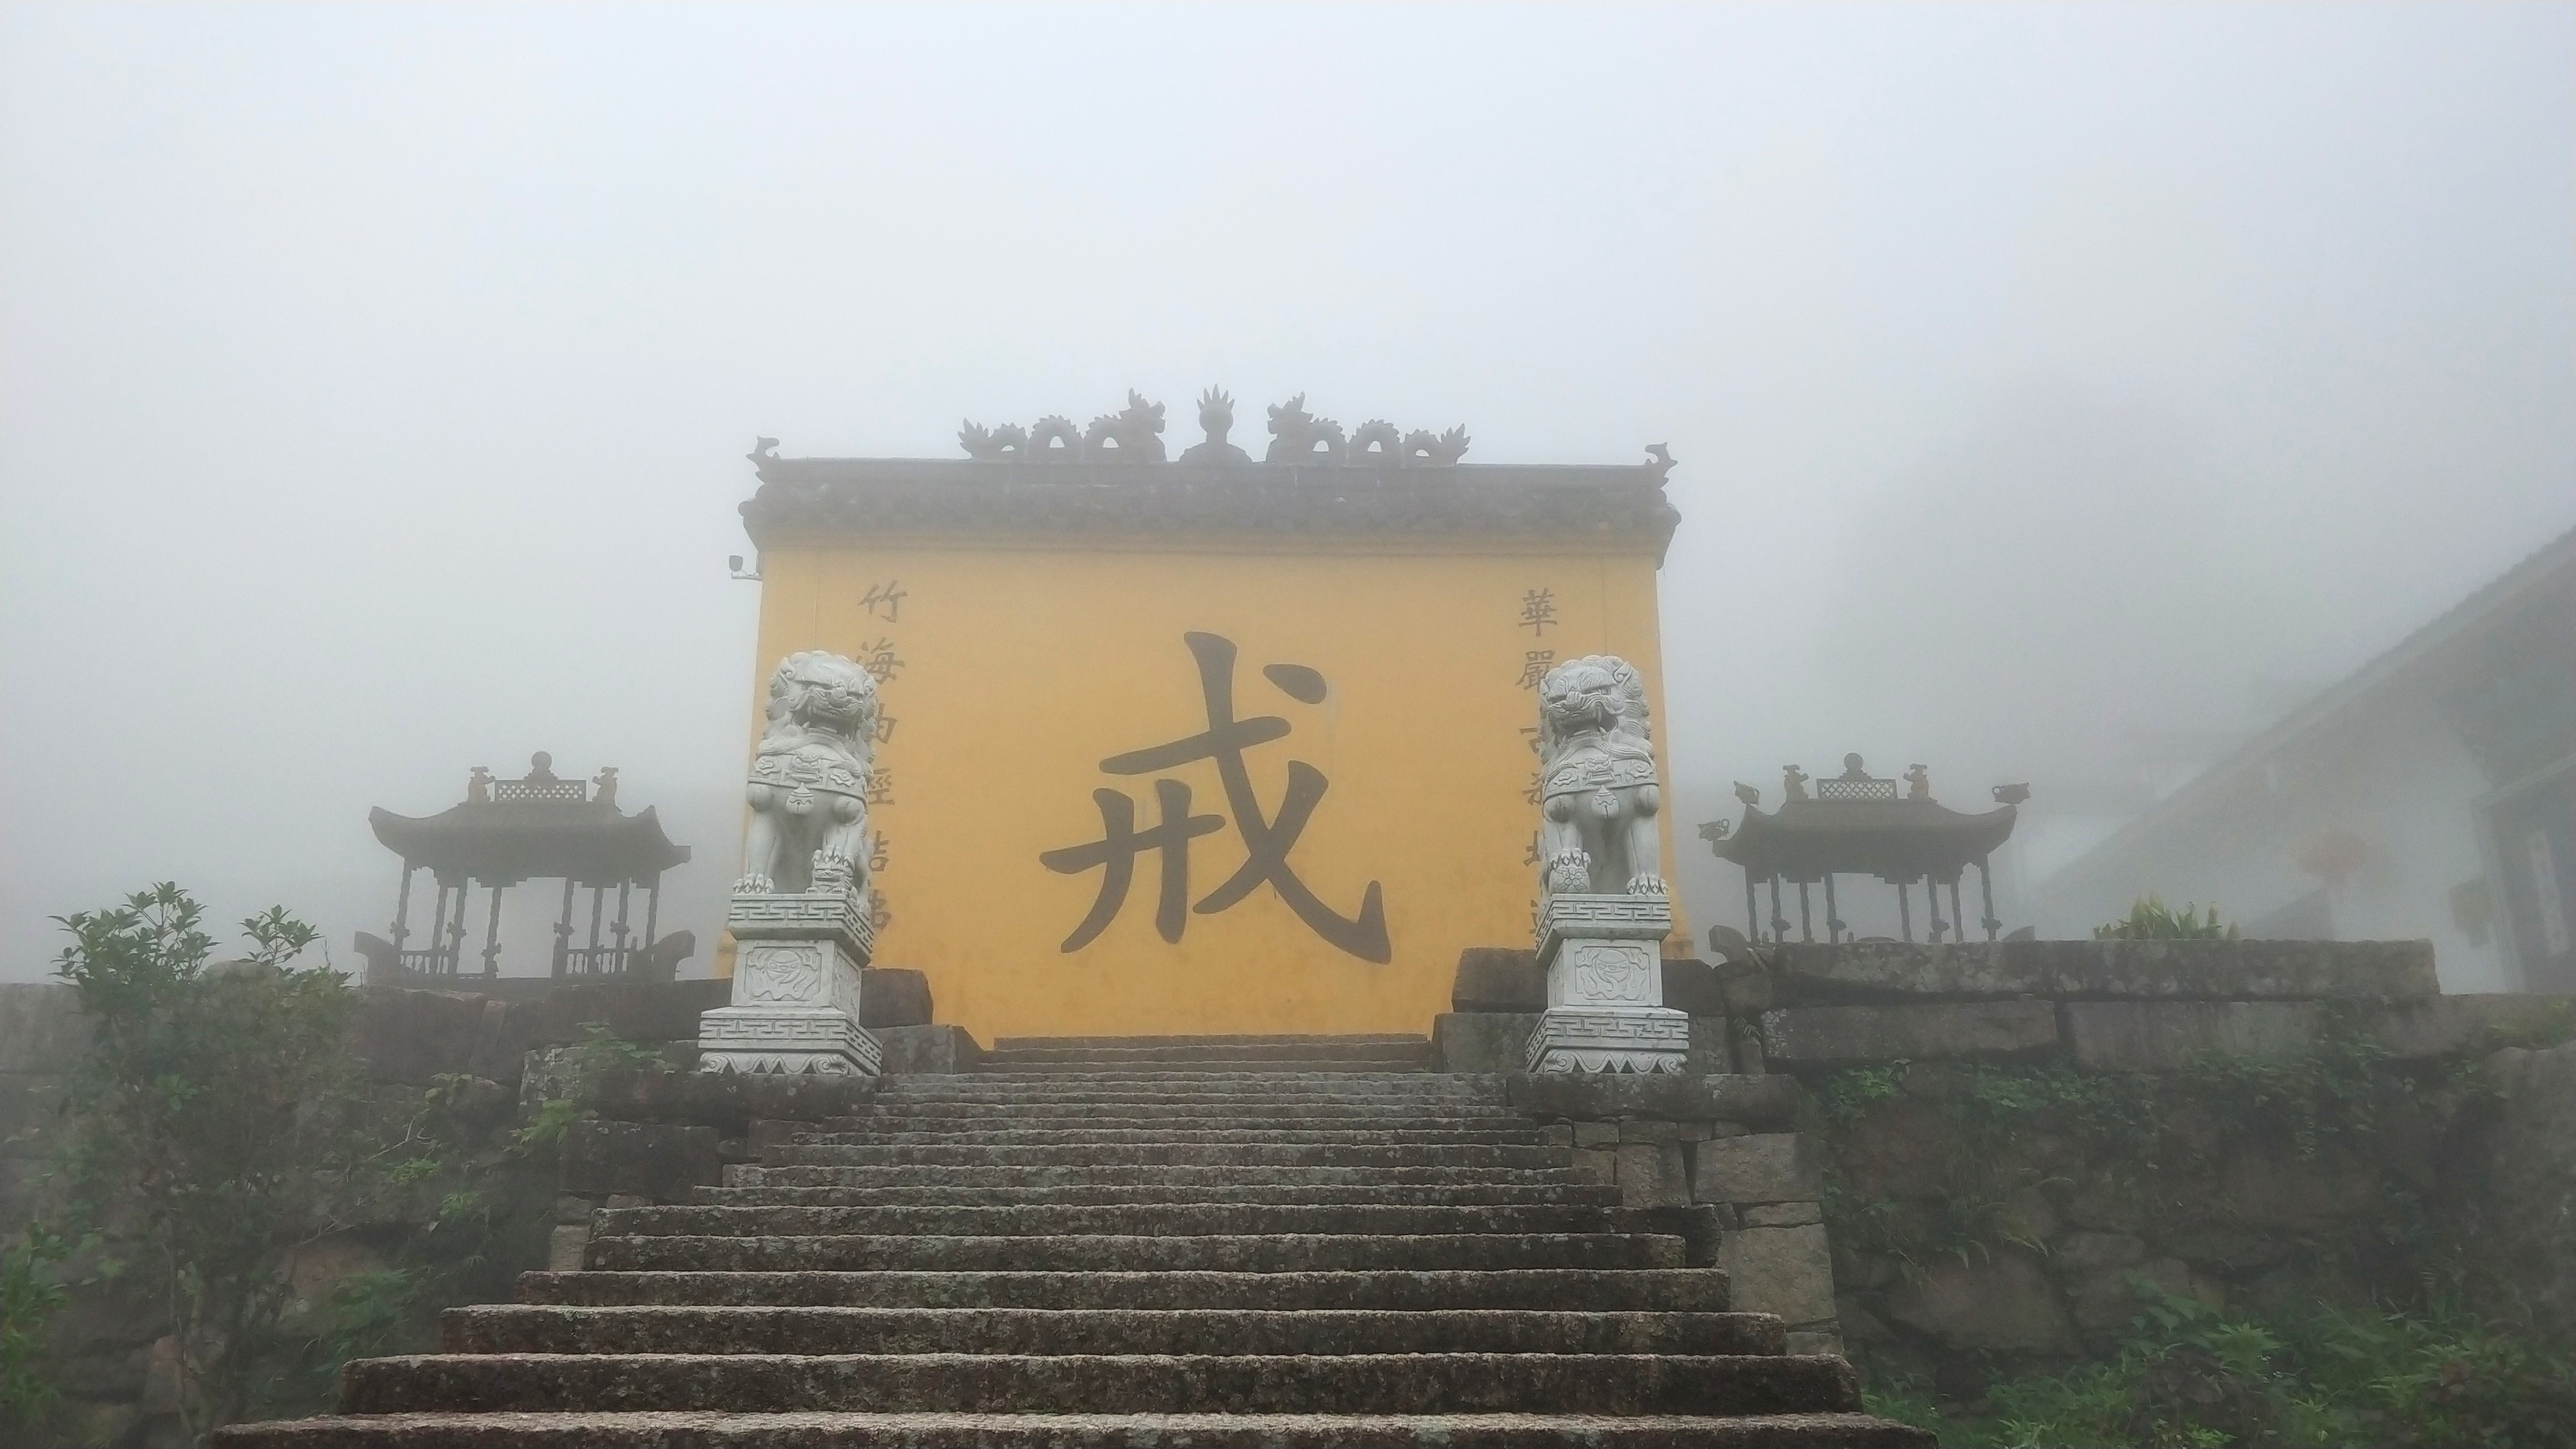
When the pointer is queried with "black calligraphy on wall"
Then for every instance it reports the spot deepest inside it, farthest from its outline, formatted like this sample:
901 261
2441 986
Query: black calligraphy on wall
1266 837
882 603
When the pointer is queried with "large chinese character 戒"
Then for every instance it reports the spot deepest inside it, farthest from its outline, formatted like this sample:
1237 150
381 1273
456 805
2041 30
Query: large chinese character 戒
1267 838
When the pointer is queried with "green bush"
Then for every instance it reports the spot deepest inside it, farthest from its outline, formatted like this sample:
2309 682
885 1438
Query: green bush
2150 919
212 1133
2190 1376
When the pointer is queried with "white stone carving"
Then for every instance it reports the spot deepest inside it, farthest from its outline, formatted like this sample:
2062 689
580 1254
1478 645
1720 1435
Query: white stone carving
799 914
809 781
1605 908
1598 798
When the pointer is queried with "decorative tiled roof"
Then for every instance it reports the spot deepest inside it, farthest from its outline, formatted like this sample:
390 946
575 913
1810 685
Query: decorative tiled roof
804 500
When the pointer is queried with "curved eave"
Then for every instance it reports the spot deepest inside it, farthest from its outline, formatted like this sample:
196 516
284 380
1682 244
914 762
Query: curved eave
526 840
810 500
1899 840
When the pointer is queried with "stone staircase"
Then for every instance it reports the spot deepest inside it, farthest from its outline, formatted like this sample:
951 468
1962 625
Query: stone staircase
1200 1243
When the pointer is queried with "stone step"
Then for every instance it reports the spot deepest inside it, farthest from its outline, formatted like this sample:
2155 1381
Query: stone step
1238 1055
765 1190
1153 1096
1176 1154
1603 1290
1074 1431
1103 1383
1112 1252
530 1328
1285 1039
1246 1079
1137 1174
1525 1134
1145 1220
1009 1066
1243 1111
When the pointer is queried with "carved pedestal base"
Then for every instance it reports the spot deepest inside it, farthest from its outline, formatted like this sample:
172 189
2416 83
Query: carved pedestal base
785 1039
1649 1039
1605 987
795 1001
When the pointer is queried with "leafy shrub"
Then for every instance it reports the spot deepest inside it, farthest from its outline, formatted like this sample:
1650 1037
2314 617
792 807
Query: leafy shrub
2150 919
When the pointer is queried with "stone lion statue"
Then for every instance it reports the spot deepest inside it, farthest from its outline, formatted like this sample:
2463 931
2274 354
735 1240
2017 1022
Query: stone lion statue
1597 796
809 782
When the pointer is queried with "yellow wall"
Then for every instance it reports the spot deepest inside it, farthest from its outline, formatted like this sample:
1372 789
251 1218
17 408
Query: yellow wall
1012 674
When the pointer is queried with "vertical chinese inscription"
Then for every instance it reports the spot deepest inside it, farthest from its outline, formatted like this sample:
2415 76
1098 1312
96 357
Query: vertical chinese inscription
1267 837
882 602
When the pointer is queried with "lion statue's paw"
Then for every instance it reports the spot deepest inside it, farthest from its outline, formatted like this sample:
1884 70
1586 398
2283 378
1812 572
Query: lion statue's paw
755 884
1647 885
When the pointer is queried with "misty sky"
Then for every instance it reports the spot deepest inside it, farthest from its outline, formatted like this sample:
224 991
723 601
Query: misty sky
2060 391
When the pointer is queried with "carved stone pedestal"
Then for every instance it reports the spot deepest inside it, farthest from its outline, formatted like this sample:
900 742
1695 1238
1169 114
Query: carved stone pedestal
795 988
1603 956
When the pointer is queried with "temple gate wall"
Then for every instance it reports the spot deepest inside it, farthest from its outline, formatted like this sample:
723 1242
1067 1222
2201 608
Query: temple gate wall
1013 671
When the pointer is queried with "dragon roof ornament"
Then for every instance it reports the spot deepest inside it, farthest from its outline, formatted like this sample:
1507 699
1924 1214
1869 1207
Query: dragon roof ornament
1134 435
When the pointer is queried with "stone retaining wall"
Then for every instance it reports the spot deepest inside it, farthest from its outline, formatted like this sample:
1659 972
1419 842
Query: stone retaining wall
2478 1180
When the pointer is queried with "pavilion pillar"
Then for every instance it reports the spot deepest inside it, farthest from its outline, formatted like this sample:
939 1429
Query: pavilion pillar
563 932
1833 913
624 889
1905 910
1986 885
452 936
492 934
402 907
653 910
437 923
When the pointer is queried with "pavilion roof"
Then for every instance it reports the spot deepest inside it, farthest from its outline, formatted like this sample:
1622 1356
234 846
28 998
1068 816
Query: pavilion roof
502 842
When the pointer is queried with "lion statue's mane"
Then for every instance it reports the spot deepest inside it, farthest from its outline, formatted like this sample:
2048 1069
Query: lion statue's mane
809 779
1598 796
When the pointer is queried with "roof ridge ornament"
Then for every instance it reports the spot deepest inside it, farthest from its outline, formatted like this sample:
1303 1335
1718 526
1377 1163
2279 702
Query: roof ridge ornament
1133 435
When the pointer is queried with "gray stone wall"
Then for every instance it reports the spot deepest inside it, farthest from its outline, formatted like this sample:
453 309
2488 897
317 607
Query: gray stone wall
2485 1183
2473 1188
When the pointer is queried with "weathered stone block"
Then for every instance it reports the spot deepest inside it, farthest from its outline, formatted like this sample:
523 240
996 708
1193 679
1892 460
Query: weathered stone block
1837 1036
1693 986
1653 1174
1753 1101
1498 979
1787 1271
41 1028
1647 1129
1814 1341
647 1159
938 1050
415 1036
1854 971
2166 1036
1596 1134
2466 1025
633 1010
565 1247
892 996
1758 1168
1709 1053
2239 970
1482 1041
728 1101
2082 1252
1597 1163
1783 1214
2000 1302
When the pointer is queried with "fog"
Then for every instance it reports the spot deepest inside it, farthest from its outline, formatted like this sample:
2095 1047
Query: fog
2060 392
